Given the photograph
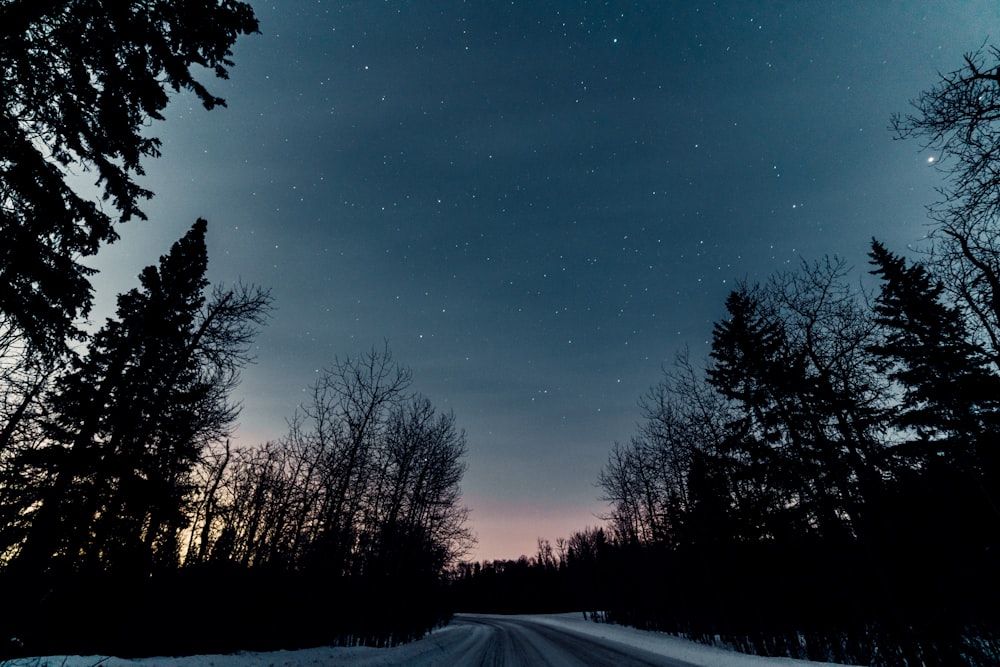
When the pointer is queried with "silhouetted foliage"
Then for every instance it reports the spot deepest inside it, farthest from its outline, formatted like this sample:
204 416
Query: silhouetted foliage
958 118
129 491
570 578
126 424
102 483
828 487
836 451
951 392
361 496
365 482
118 485
80 82
24 376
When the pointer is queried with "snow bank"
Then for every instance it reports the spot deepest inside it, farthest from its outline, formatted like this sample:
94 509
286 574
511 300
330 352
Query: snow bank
666 645
425 652
446 646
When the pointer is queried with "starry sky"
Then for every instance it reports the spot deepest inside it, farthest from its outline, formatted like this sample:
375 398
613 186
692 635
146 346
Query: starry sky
538 204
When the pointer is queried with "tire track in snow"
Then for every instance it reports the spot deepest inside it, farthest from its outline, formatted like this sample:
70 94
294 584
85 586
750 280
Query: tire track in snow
514 642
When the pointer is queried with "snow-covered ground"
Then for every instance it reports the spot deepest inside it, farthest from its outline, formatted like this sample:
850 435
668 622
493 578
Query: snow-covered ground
464 642
667 645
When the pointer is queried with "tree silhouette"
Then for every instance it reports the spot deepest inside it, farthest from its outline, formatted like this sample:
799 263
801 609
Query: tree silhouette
827 489
960 118
951 394
835 458
80 81
950 388
366 483
773 441
131 418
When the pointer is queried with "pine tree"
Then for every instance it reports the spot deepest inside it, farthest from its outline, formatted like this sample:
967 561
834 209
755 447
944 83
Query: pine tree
131 418
769 446
803 441
79 83
951 395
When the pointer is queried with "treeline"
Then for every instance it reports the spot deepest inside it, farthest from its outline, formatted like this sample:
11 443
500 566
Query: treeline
825 488
129 525
365 482
828 485
119 489
571 576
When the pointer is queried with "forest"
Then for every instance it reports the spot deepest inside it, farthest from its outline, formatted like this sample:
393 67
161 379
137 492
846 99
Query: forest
825 485
127 517
824 488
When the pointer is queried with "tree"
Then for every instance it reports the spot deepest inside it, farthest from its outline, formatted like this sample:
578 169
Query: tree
950 390
942 502
646 480
960 119
366 483
631 515
130 420
792 358
25 374
414 516
80 82
769 445
351 410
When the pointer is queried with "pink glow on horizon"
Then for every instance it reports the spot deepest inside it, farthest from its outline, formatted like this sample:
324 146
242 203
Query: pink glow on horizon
505 528
508 529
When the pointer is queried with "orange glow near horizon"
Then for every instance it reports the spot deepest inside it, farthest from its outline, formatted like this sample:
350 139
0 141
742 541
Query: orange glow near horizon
505 530
508 530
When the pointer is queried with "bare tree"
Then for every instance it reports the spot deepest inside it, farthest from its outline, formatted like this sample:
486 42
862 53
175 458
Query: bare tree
366 481
646 480
25 375
959 118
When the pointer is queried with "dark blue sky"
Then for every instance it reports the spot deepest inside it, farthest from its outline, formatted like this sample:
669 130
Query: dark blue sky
537 204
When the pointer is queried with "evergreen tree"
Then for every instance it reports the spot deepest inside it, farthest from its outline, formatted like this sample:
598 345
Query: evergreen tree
79 83
131 418
769 448
804 447
950 392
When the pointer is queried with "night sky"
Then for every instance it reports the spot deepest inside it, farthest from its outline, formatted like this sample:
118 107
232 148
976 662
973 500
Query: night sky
538 204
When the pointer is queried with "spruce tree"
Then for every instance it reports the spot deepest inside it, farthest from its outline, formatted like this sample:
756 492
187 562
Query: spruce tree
79 84
950 393
131 418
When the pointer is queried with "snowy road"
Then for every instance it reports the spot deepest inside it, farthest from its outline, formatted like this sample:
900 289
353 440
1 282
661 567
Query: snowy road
474 640
516 642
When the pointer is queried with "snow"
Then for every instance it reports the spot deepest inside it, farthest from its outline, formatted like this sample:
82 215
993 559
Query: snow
447 646
667 645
